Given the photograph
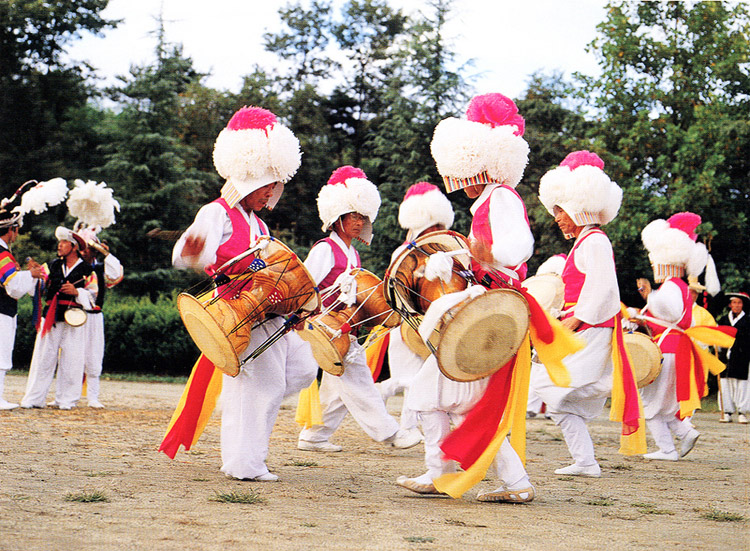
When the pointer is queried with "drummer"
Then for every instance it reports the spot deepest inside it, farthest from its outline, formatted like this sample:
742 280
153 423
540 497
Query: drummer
485 156
256 155
348 205
582 198
674 253
424 209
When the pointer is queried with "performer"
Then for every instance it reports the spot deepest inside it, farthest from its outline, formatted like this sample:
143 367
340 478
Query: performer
108 273
256 155
348 205
14 283
676 392
582 198
735 389
485 156
69 283
424 209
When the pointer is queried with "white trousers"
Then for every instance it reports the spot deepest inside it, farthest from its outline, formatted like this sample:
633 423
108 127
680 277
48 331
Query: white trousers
577 437
250 401
735 395
404 364
660 397
94 354
7 341
62 347
663 427
353 392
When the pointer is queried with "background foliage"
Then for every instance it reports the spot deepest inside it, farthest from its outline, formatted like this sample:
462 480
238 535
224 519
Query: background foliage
365 84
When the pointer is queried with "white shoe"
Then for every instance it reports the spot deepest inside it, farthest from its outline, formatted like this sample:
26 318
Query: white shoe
6 405
593 471
664 456
506 495
405 439
688 442
416 486
741 419
95 404
726 418
53 404
324 446
66 407
30 406
267 477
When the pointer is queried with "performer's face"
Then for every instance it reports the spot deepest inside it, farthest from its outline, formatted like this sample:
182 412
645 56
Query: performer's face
735 305
258 198
352 224
564 221
64 248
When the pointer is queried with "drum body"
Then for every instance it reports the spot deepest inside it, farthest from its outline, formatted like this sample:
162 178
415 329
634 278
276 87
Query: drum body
220 320
646 358
480 335
75 317
329 332
548 290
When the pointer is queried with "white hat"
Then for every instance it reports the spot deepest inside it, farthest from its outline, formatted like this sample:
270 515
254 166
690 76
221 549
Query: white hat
64 234
673 251
486 147
580 187
553 265
92 204
255 150
349 190
424 205
37 199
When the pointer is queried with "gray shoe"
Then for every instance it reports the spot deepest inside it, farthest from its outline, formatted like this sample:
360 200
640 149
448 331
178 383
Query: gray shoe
688 442
405 439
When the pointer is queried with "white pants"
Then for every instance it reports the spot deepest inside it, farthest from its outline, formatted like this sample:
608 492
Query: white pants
662 428
735 395
94 354
577 437
62 347
404 364
660 397
7 341
353 392
250 401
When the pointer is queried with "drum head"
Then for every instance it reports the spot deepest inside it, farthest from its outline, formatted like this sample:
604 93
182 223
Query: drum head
646 358
75 317
547 289
483 335
328 357
208 335
415 343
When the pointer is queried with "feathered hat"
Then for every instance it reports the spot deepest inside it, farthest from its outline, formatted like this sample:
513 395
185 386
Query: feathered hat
424 205
553 265
580 187
486 147
64 234
255 150
349 190
37 199
674 252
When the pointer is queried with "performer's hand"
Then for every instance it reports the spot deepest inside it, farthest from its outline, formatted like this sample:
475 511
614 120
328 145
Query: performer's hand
193 246
571 323
34 267
481 252
68 288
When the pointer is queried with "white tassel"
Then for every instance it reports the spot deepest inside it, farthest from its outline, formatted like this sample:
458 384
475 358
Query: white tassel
439 265
713 286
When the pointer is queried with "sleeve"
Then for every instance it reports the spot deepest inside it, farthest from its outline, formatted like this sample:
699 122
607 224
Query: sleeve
210 224
512 240
87 294
320 261
599 300
666 303
113 271
21 283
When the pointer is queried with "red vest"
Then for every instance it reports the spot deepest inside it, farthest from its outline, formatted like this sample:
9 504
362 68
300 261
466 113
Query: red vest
340 260
573 279
481 229
237 243
669 343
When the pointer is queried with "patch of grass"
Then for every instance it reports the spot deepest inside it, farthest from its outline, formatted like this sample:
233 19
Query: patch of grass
622 467
456 522
196 452
722 516
234 496
143 378
200 479
20 497
419 539
566 478
93 496
723 468
102 473
650 509
309 525
602 501
301 463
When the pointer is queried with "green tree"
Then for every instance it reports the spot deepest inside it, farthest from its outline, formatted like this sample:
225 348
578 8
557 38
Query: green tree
674 102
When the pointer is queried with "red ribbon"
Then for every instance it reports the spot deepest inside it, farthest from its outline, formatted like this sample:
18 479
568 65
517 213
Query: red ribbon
49 319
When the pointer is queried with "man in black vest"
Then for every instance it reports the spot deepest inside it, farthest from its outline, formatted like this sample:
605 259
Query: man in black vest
69 283
108 274
14 283
735 389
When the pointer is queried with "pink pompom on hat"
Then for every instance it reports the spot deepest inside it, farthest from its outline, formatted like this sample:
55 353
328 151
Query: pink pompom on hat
424 205
674 252
485 148
255 150
581 188
349 190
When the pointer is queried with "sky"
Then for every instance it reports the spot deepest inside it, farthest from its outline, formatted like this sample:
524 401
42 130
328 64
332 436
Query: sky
506 39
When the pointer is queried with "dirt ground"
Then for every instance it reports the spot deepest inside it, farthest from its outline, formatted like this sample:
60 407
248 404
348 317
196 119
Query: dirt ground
342 500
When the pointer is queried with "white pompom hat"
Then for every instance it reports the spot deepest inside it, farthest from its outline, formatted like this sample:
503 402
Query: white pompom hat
349 190
673 251
580 187
255 150
424 205
486 147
